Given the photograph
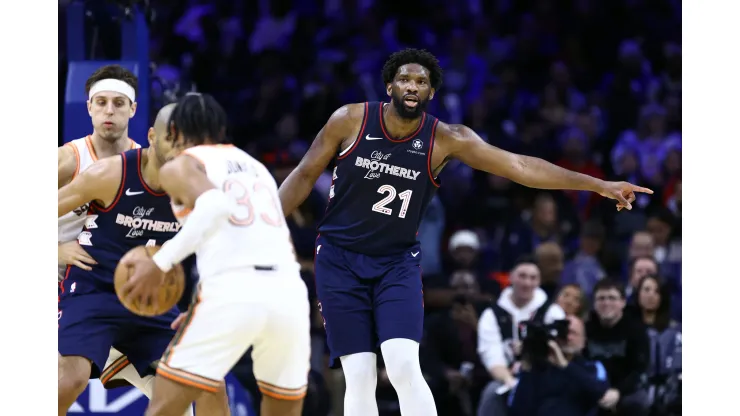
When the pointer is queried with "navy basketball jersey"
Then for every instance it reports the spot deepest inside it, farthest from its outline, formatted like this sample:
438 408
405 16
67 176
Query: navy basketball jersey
381 187
138 216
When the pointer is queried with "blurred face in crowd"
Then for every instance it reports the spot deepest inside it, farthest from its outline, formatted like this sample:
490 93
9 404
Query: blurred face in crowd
525 278
576 336
110 113
550 260
642 245
642 267
545 212
649 296
590 245
464 256
628 164
588 124
656 125
464 283
411 90
659 230
569 299
609 305
672 162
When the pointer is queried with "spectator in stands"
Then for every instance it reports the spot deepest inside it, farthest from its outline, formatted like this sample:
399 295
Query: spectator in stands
568 385
498 334
572 299
641 245
523 237
639 268
667 248
585 269
653 305
619 340
550 258
464 249
431 230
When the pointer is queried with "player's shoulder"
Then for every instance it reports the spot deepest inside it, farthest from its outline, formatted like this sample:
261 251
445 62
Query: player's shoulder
347 116
452 131
105 167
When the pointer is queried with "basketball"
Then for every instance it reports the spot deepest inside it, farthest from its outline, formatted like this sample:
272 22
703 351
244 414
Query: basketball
169 293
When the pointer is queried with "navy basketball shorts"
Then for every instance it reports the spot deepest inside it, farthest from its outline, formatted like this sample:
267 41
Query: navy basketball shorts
366 300
91 323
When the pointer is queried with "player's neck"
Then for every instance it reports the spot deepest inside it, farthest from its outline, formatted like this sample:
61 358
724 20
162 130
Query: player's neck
397 126
105 148
150 169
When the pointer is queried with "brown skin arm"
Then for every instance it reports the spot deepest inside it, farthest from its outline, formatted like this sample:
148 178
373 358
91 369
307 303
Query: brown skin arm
462 143
99 182
66 165
338 132
184 179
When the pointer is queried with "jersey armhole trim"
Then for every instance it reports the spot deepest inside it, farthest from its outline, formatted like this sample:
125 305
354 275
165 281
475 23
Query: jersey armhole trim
77 159
97 206
344 153
141 177
91 148
429 155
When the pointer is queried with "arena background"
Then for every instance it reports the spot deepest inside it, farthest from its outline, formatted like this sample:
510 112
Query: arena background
593 86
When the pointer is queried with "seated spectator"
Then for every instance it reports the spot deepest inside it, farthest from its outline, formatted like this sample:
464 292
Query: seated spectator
661 226
464 249
522 238
550 258
498 335
572 299
568 385
653 305
585 269
639 268
619 340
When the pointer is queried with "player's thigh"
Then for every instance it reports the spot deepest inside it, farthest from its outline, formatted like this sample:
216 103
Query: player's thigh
73 373
282 352
87 328
146 339
212 338
399 304
345 303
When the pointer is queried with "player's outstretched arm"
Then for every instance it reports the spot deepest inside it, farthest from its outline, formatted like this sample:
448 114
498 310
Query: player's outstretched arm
463 143
99 182
297 186
185 180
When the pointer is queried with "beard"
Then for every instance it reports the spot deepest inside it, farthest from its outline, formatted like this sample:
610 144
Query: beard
406 112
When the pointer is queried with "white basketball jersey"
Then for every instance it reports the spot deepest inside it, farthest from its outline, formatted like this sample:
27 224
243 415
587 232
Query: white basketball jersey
70 224
256 234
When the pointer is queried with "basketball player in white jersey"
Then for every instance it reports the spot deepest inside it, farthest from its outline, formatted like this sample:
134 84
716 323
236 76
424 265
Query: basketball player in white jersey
250 291
111 104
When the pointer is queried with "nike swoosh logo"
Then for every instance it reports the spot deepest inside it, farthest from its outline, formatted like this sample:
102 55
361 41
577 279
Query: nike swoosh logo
129 193
372 138
414 254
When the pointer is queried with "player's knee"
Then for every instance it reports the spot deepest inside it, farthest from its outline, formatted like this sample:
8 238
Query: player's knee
74 372
401 357
360 369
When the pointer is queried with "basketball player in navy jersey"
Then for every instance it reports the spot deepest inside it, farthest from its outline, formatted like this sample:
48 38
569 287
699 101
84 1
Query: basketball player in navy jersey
368 278
126 211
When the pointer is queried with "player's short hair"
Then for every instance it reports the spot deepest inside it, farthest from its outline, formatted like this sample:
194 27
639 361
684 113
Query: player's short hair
413 56
112 72
200 118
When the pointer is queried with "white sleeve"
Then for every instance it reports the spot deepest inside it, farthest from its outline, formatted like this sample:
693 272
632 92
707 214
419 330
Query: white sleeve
490 345
554 313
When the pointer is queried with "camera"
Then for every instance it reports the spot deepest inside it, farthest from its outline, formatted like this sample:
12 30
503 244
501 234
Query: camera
535 336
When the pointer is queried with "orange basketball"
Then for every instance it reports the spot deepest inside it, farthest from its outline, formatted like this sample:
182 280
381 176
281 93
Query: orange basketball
169 293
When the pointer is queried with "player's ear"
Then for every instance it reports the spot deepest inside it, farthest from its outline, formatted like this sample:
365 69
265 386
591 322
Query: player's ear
89 108
132 111
388 89
150 135
431 93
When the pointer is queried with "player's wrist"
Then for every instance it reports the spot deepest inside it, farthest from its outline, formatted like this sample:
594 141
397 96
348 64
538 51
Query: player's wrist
162 262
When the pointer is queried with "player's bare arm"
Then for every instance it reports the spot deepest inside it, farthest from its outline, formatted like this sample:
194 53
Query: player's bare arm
462 143
66 165
99 182
338 133
186 182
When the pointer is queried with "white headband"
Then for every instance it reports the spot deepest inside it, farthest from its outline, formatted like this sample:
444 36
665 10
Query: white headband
113 85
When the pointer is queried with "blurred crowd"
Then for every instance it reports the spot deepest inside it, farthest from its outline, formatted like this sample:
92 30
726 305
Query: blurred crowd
593 86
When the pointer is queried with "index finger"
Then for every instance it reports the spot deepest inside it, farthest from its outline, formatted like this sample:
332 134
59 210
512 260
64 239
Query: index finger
636 188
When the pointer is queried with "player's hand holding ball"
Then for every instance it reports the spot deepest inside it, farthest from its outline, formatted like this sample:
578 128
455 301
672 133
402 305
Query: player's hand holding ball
145 289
